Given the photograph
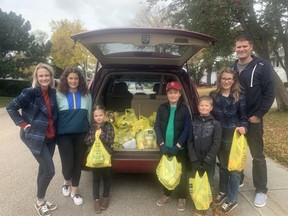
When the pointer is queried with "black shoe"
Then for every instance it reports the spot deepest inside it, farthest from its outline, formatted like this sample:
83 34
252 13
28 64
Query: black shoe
228 207
42 210
220 198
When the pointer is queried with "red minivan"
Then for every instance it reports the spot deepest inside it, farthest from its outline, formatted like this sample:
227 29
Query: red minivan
152 57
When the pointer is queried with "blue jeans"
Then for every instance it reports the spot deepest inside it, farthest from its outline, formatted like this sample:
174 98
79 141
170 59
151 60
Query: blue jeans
229 180
46 169
259 169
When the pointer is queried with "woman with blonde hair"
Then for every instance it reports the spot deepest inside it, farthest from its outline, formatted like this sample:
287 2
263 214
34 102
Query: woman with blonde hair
37 128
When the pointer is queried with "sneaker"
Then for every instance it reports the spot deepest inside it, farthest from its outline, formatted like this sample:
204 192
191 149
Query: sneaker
228 207
50 205
104 202
241 185
78 200
97 207
42 210
198 212
66 190
260 199
163 200
220 198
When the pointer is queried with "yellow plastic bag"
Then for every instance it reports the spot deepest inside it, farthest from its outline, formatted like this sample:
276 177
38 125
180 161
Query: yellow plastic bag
152 119
141 124
126 120
169 172
146 139
200 191
238 153
98 155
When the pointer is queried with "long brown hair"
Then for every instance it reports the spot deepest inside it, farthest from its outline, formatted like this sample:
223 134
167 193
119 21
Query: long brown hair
63 86
235 88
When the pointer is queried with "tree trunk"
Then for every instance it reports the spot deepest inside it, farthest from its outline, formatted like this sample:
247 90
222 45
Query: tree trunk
209 73
281 94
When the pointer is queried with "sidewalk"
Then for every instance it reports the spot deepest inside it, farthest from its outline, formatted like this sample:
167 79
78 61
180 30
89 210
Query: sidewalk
277 202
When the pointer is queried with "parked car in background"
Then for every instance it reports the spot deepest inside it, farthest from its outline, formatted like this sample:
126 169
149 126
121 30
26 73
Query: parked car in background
152 57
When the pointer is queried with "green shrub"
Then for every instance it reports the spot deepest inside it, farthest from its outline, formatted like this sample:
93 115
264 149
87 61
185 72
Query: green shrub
12 88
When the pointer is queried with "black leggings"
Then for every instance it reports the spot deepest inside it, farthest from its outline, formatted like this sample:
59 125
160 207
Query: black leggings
98 174
71 152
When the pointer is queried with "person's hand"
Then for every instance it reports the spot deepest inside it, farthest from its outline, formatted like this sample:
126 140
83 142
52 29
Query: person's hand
174 150
206 166
254 119
196 165
241 130
164 149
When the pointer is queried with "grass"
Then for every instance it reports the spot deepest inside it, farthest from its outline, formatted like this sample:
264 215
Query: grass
5 100
275 132
276 136
204 90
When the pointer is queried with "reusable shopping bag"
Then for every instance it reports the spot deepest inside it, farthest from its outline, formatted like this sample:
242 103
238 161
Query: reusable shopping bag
238 153
200 191
146 139
98 156
126 120
169 172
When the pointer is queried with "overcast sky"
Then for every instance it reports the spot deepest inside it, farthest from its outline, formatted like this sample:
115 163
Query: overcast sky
94 14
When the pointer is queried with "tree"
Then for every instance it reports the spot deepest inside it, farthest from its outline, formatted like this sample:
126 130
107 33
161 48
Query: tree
264 20
268 27
148 16
14 41
65 52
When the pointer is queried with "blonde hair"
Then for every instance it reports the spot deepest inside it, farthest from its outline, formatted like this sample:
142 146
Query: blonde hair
235 88
205 98
35 82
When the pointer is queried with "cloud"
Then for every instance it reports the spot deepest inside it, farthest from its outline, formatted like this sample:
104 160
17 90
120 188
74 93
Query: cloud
94 14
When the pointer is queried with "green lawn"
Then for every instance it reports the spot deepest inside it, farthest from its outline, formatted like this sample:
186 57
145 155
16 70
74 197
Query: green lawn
4 101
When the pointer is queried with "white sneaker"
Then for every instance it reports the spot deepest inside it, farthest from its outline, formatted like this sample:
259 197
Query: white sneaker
78 200
66 190
260 199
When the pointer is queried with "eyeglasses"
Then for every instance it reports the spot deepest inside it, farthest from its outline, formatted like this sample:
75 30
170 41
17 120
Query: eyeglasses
226 79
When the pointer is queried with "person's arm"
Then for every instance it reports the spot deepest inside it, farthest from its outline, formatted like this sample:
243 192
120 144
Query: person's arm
90 137
268 89
89 107
242 113
107 134
190 145
216 143
17 103
186 130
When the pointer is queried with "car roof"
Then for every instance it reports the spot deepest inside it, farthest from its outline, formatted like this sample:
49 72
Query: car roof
143 46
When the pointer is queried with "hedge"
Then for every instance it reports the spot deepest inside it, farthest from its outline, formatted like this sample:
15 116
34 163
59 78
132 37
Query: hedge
12 88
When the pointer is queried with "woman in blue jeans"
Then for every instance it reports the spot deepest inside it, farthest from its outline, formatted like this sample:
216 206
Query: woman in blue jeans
37 123
230 110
